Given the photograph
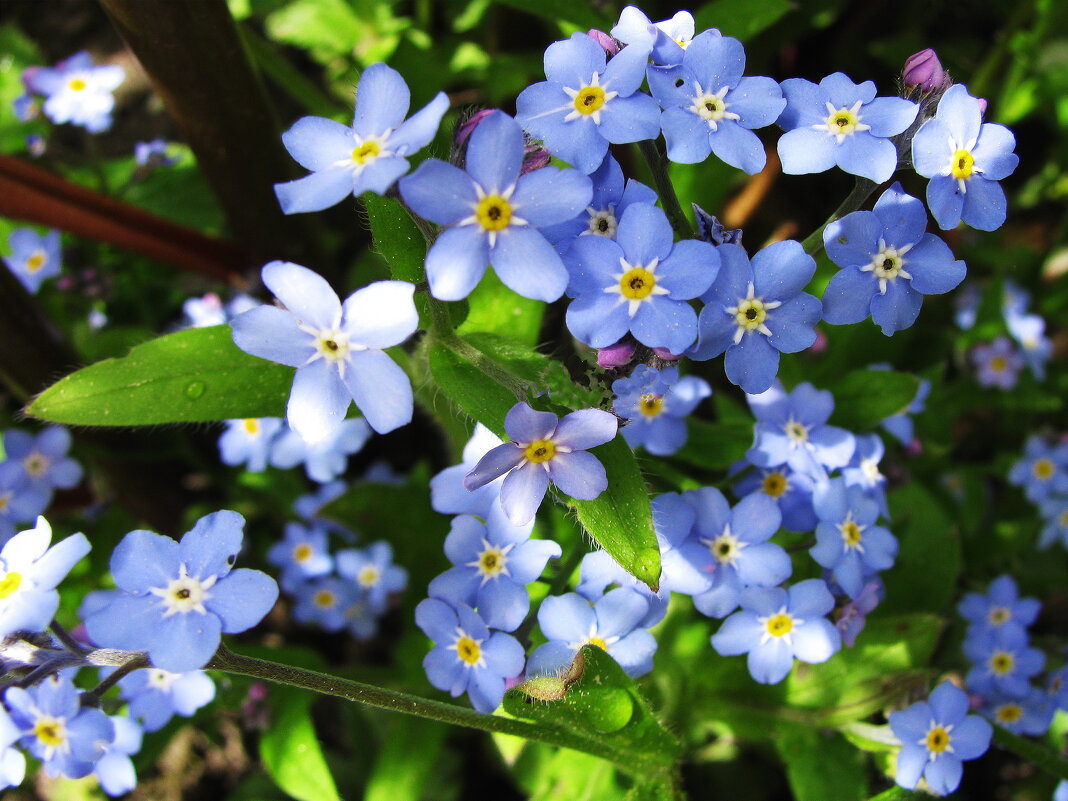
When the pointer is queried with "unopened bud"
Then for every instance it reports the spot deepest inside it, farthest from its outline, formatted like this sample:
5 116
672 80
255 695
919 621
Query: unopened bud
610 44
982 106
534 157
666 355
463 133
618 355
924 70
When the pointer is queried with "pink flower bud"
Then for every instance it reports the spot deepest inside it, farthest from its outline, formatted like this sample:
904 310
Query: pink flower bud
667 355
924 70
610 44
534 158
982 106
618 355
469 125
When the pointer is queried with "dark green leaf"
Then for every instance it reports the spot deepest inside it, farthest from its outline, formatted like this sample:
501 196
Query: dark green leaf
396 237
716 446
742 19
410 747
290 750
584 15
820 766
198 375
864 398
476 394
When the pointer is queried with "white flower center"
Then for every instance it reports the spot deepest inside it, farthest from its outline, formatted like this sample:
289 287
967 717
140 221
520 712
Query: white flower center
888 264
185 594
602 222
842 122
750 314
712 106
492 561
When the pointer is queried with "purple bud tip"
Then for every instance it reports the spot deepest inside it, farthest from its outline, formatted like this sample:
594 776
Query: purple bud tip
534 158
610 44
982 106
470 124
820 344
924 70
618 355
667 355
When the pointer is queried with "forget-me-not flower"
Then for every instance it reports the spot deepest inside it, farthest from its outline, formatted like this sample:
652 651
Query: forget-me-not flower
466 656
1029 330
336 348
863 470
1043 470
325 459
302 554
998 363
775 626
667 40
964 158
44 457
710 108
543 448
79 92
369 156
838 122
33 257
790 489
492 215
447 492
888 263
640 283
248 442
756 310
155 695
1031 715
656 403
115 770
1003 661
586 104
936 736
325 600
12 761
372 570
179 597
1001 607
1055 521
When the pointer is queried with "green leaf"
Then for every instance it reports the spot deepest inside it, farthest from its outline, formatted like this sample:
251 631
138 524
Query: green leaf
582 15
410 747
820 766
596 698
476 394
290 750
864 398
716 446
496 309
198 375
396 237
742 19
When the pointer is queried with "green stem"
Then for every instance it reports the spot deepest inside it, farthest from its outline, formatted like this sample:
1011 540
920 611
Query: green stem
380 698
862 189
658 166
1035 753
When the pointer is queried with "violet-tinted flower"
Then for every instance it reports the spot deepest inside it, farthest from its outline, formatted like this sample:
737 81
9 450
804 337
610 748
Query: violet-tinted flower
545 448
44 457
924 71
618 355
851 618
448 494
997 364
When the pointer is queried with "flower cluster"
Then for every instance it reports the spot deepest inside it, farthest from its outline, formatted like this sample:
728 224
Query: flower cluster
1042 474
257 442
35 466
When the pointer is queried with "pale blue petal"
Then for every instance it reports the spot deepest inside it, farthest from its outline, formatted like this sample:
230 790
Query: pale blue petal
456 262
770 662
551 195
889 116
305 293
864 155
804 150
381 390
317 191
381 314
273 334
580 474
316 142
528 265
853 240
945 201
847 299
752 363
522 492
738 147
984 205
495 153
586 428
419 130
382 99
439 192
318 401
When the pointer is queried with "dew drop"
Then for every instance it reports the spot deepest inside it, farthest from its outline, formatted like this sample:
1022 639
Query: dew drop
195 389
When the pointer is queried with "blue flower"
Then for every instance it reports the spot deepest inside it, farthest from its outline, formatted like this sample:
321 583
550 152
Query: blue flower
12 761
791 490
848 543
1031 715
851 618
309 506
888 264
248 442
447 492
493 214
30 571
33 257
611 622
1055 521
792 429
734 551
612 194
209 310
775 626
493 564
325 600
545 448
79 92
369 156
710 108
1029 330
466 657
179 597
302 554
44 457
936 736
964 158
997 364
325 459
639 283
373 572
1002 661
656 404
336 348
667 39
155 695
585 104
56 729
115 770
1057 688
863 470
1043 470
756 310
842 123
1000 608
153 154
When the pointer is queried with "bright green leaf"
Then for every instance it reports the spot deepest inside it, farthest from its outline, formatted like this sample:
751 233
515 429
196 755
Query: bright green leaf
496 309
584 15
192 376
864 398
290 750
410 747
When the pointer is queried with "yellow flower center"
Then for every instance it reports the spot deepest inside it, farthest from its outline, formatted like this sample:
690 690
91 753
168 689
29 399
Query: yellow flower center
491 562
651 405
77 85
468 650
50 731
1064 517
368 576
851 533
962 165
750 314
998 615
774 484
1001 662
1043 469
540 450
780 625
999 364
302 553
9 585
493 213
324 599
366 153
589 99
1008 713
332 345
36 261
252 426
937 740
599 642
842 121
637 283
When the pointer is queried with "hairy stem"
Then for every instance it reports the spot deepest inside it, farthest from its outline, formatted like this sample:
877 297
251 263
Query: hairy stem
658 166
862 189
